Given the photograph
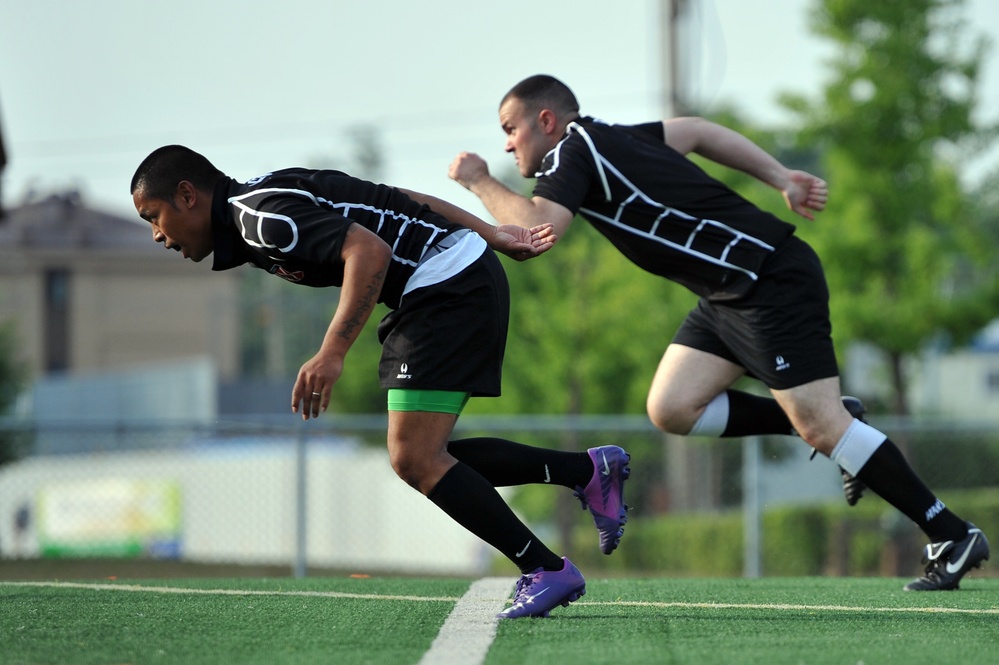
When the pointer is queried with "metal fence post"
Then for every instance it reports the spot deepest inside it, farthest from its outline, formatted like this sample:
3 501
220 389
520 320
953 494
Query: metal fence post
301 507
752 517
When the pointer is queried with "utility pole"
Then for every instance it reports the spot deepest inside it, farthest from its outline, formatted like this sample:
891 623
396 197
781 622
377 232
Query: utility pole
673 93
690 472
3 164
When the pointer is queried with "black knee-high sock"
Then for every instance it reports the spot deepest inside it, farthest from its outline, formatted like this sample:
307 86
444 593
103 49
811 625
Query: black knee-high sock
888 473
507 463
750 414
472 502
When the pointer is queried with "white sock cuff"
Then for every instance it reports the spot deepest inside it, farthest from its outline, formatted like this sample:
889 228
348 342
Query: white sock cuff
714 419
858 443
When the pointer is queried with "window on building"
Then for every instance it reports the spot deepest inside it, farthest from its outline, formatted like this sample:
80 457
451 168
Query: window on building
56 312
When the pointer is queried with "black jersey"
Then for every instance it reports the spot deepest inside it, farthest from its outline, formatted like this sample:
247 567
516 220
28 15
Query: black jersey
659 208
293 222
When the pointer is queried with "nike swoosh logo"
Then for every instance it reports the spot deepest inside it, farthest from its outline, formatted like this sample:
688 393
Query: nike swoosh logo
954 566
527 601
548 477
530 599
606 470
524 551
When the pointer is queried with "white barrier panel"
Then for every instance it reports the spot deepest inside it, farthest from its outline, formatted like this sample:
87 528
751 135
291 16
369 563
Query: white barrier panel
237 505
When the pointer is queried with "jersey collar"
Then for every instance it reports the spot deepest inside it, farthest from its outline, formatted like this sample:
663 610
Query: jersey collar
227 252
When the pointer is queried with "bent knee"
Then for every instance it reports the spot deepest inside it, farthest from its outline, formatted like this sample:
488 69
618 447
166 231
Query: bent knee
421 472
409 469
671 417
818 437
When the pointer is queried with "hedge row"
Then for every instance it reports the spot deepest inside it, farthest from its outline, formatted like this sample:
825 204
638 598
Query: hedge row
871 538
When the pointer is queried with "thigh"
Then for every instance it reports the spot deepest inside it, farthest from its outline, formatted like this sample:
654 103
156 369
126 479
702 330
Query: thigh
688 378
696 366
420 433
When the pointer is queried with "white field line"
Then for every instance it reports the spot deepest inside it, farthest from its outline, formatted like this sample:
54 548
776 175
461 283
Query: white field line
791 607
499 597
227 592
469 631
464 639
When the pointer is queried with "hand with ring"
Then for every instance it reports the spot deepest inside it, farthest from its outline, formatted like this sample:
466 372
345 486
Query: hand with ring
310 396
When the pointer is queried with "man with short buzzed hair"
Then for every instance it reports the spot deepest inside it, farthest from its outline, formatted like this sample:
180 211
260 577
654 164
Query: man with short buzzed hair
763 308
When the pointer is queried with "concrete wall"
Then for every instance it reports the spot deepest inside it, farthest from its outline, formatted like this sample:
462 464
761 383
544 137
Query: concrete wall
238 506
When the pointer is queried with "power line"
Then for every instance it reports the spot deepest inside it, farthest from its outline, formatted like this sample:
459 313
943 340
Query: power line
419 122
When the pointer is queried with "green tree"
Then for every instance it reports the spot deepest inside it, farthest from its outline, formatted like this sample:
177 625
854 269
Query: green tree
906 257
283 325
13 374
587 329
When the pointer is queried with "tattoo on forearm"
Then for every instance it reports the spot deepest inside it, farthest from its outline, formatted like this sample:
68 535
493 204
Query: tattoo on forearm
359 315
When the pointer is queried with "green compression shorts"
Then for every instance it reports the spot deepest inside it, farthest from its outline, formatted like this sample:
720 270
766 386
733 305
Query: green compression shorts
437 401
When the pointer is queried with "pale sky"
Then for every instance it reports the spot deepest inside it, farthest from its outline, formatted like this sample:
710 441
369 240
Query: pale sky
87 89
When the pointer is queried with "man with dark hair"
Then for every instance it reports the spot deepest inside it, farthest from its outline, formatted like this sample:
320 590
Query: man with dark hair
763 308
158 175
442 342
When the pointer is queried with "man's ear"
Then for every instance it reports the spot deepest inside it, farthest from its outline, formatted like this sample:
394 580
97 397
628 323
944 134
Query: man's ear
547 121
187 194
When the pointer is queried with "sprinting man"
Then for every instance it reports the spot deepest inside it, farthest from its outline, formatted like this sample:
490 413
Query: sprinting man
442 341
763 308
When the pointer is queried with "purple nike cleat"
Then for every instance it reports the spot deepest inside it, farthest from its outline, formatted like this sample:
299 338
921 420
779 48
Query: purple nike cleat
604 494
539 592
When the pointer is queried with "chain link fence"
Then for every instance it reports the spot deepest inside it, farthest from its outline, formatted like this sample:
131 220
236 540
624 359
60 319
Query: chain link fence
321 495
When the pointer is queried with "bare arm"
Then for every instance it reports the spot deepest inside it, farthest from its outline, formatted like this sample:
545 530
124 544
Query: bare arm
517 242
803 192
508 207
366 259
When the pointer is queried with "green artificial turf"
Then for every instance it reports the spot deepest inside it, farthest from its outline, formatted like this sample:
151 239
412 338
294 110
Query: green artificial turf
395 620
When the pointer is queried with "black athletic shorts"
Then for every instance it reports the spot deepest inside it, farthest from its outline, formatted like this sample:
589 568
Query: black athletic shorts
451 335
780 331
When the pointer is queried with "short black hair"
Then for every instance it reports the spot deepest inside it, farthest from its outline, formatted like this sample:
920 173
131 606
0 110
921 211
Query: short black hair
543 91
159 174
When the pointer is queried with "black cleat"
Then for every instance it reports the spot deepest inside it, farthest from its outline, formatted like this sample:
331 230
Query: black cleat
855 407
947 562
853 487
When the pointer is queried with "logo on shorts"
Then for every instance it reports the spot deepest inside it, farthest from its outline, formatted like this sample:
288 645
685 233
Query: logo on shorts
404 372
782 364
